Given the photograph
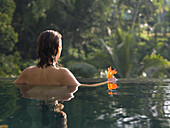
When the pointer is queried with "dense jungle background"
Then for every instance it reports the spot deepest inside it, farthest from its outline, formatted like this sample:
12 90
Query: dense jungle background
132 36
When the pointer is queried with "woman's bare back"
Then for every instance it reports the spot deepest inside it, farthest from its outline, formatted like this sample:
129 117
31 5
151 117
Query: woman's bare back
47 76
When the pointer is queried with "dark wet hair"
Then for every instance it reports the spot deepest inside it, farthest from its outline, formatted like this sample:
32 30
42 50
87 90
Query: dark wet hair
47 47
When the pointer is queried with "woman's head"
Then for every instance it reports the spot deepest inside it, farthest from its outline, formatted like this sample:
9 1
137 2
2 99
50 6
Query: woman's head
49 46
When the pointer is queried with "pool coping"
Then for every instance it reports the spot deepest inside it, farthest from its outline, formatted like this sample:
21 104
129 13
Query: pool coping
120 80
125 80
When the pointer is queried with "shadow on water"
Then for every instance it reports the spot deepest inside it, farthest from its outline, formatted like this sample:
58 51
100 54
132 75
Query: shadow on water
138 103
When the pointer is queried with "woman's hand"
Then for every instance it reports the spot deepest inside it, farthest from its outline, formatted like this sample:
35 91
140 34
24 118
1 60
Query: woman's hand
112 79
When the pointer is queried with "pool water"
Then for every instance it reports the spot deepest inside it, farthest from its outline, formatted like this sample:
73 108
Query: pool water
136 105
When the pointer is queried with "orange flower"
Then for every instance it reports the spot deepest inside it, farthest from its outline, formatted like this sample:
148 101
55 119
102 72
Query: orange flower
112 86
111 93
115 93
111 72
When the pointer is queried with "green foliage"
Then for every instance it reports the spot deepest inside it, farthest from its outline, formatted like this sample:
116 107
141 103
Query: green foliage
101 33
100 59
83 70
7 7
9 65
155 64
121 51
8 37
124 52
156 61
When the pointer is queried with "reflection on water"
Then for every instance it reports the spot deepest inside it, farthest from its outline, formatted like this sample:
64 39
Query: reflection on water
135 105
59 117
46 92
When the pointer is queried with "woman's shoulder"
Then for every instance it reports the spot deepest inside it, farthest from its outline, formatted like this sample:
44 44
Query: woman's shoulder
67 77
64 71
31 67
23 76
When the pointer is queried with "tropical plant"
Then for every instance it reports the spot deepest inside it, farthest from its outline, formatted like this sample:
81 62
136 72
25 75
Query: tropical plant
155 66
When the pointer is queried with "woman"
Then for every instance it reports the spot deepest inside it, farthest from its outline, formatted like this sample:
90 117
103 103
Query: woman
49 47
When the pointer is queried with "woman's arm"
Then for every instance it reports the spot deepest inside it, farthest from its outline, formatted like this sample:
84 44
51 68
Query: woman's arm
69 79
111 80
94 85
